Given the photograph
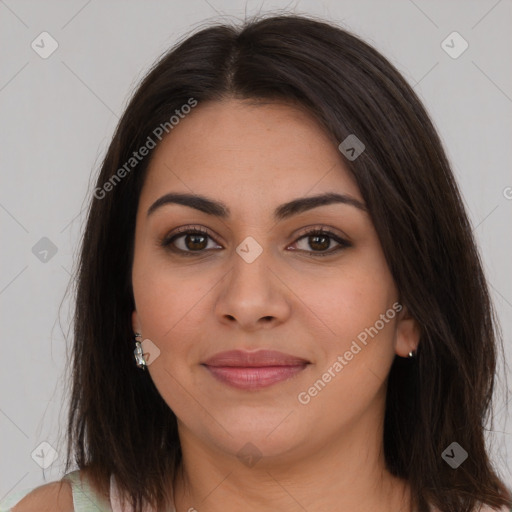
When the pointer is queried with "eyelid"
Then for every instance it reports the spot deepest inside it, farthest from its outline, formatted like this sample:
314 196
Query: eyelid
206 231
322 227
184 230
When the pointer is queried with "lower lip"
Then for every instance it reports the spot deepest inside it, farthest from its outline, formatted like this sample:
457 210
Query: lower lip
254 377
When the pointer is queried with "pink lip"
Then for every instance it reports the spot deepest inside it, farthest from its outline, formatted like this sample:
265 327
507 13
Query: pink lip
254 370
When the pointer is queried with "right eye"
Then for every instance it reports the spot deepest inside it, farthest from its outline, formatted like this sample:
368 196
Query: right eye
188 241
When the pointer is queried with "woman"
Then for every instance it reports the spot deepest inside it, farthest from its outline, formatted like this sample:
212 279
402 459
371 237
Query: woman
280 303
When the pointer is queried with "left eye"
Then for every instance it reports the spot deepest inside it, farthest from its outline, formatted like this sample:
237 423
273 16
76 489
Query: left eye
320 240
193 242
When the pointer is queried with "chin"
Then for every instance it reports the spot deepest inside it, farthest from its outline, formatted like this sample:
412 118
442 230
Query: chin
261 435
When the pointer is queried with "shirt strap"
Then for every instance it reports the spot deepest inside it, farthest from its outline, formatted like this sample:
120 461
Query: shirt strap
85 499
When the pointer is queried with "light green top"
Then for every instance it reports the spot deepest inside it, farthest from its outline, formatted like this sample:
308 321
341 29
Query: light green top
85 499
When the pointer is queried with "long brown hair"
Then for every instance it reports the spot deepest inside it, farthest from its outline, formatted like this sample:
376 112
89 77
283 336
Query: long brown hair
118 422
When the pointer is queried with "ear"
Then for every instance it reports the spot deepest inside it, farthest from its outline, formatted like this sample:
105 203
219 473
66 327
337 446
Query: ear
407 333
135 322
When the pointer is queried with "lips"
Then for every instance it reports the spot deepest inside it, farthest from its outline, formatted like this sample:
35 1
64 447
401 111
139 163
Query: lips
254 359
254 370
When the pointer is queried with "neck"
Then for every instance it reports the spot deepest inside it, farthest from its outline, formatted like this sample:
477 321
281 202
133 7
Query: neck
345 473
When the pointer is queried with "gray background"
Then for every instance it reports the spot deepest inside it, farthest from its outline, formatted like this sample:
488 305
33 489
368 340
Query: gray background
58 114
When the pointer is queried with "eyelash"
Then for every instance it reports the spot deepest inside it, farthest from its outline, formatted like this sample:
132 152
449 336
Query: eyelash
167 241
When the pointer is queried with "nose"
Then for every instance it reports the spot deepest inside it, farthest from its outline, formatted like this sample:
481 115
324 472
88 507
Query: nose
252 295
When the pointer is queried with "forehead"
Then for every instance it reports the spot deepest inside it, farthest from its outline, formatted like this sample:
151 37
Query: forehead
241 151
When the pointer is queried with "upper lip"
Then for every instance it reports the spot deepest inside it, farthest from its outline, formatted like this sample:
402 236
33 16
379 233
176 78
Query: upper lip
242 358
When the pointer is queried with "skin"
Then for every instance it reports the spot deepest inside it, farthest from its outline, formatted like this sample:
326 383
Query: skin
323 455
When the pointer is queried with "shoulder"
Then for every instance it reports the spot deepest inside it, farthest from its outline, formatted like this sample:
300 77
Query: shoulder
52 497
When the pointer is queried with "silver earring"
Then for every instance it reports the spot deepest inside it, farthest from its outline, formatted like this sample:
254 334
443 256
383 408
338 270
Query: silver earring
139 355
412 354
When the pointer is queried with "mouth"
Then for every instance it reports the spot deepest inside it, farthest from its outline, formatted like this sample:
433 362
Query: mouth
254 370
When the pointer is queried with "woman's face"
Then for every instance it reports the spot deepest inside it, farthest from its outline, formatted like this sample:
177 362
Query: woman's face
253 280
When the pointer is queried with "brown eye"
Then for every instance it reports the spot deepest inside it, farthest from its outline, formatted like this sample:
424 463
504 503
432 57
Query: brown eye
196 241
188 241
319 240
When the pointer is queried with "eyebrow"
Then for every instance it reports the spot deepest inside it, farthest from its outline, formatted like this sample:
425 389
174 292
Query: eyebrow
284 211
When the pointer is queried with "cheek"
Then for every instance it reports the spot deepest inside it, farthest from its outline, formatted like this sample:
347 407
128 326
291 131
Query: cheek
171 306
347 302
353 362
165 308
165 295
357 310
